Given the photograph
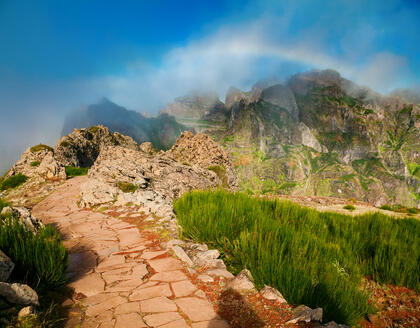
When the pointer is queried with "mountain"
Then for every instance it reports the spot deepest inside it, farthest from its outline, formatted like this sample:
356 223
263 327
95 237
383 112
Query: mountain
316 134
162 130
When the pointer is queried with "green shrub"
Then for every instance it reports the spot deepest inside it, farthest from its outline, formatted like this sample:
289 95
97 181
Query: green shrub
93 129
72 171
3 204
349 207
13 181
313 258
40 259
35 163
127 186
220 172
40 147
64 144
386 207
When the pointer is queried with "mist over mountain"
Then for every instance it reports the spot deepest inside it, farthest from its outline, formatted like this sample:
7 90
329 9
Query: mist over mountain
162 130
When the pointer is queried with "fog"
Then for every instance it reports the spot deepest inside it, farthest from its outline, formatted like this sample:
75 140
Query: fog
233 55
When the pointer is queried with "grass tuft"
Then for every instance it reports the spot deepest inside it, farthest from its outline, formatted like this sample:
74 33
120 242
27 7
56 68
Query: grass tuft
35 163
221 173
313 258
72 171
127 186
13 181
40 147
349 207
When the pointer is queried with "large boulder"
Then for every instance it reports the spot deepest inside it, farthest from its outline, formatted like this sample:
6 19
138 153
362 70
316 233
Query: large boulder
201 150
6 266
303 313
81 147
39 161
20 294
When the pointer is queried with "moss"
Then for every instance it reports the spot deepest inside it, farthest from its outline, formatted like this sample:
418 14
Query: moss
127 186
64 144
220 172
414 169
72 171
93 129
349 207
35 163
40 147
13 181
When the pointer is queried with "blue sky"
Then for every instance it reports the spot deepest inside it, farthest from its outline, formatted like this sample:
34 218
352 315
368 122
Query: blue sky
60 55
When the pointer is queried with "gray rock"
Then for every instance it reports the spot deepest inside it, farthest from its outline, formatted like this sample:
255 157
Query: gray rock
333 324
18 294
6 266
303 313
182 255
273 294
205 278
220 273
243 281
24 216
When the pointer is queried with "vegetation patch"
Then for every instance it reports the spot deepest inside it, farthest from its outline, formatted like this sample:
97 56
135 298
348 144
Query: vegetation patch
400 209
127 186
349 207
35 163
40 259
72 171
64 144
3 204
40 147
313 258
93 129
13 181
414 169
221 173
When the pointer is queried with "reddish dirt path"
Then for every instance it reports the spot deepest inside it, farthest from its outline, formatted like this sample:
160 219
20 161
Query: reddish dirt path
119 276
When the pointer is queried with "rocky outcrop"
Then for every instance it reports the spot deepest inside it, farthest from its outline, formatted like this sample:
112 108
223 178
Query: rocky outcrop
201 150
24 216
39 161
81 147
281 96
303 313
6 266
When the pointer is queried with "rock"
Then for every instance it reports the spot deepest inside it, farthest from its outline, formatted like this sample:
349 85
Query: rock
148 148
273 294
81 147
39 161
308 139
182 255
18 294
220 273
24 216
24 312
206 258
6 266
306 314
243 281
4 305
205 278
201 150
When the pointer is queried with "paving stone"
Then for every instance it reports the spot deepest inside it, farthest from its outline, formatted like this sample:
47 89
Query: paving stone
211 324
89 285
152 255
166 264
108 324
151 292
196 309
176 324
98 298
146 285
128 308
183 288
129 320
110 262
157 304
169 276
104 306
155 320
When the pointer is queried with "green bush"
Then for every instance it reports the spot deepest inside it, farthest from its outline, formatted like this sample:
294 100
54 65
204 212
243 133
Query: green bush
13 181
35 163
40 147
386 207
64 144
313 258
3 204
349 207
40 259
127 186
72 171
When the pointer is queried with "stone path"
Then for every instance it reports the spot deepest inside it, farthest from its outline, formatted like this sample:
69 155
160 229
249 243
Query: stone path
121 277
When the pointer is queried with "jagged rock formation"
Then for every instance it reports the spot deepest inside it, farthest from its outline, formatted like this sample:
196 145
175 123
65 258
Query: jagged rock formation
320 134
200 149
81 147
39 161
155 179
161 131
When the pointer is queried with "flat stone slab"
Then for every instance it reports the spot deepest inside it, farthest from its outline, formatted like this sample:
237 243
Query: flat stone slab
158 304
169 276
196 309
129 320
183 288
89 285
155 320
211 324
166 264
176 324
151 292
131 307
104 306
